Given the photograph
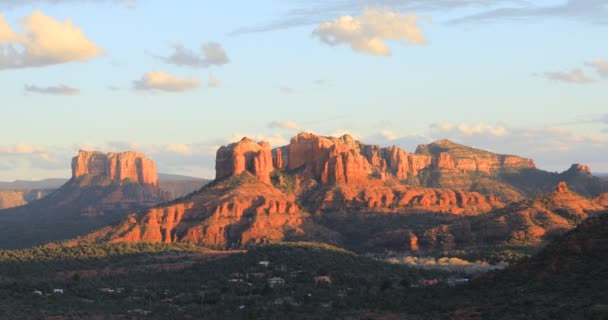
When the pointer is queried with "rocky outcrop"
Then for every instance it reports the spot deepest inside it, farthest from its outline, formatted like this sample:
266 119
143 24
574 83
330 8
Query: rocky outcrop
225 215
396 198
245 155
580 168
346 161
130 165
450 155
103 190
526 223
277 159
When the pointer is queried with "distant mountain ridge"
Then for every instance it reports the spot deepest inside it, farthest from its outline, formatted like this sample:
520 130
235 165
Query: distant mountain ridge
21 192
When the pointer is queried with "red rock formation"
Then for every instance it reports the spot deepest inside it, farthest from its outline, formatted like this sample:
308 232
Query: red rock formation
222 216
527 223
277 159
562 187
450 155
345 161
245 155
397 198
580 168
444 161
115 166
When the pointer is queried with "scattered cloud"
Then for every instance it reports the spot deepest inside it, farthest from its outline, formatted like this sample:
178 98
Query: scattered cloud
161 81
573 76
307 13
601 66
211 54
286 89
322 83
213 82
605 119
594 11
179 149
469 130
368 32
54 90
286 125
45 42
341 132
275 140
12 4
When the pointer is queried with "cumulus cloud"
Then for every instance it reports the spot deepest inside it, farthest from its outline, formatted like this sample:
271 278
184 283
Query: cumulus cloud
54 90
573 76
211 54
45 42
286 125
601 66
368 32
161 81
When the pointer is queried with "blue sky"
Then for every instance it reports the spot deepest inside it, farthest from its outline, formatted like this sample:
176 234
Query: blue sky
508 76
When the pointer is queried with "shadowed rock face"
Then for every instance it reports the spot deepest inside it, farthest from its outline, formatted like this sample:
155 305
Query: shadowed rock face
104 189
245 155
16 198
530 222
115 166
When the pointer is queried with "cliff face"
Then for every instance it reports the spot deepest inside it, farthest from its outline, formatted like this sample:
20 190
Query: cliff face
231 213
115 166
16 198
346 161
398 198
245 155
452 156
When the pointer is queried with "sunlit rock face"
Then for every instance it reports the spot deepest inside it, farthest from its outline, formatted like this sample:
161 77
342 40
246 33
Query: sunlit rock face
115 166
245 155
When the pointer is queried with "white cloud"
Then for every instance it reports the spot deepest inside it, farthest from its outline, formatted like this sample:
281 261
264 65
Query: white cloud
276 140
340 132
286 89
368 32
469 130
179 149
572 76
286 124
213 82
601 66
211 54
161 81
55 90
46 42
6 33
12 4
